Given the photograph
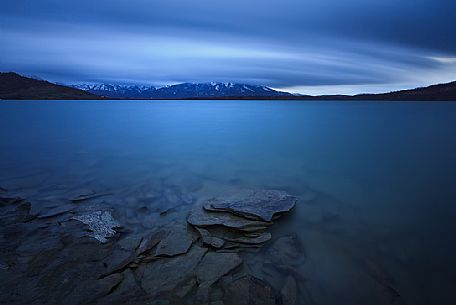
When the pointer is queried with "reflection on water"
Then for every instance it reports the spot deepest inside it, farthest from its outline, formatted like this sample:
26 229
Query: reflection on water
375 180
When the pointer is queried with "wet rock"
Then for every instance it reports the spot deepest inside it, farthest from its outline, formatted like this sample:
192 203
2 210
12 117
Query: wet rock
257 238
130 242
61 209
215 265
151 240
249 290
261 205
3 265
286 250
88 196
90 291
101 223
202 218
127 292
288 291
210 240
178 241
117 261
174 276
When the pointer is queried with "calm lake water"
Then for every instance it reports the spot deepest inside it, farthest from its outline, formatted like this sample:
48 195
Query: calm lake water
375 180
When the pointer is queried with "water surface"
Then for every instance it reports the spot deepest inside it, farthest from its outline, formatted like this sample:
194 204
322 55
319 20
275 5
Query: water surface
375 180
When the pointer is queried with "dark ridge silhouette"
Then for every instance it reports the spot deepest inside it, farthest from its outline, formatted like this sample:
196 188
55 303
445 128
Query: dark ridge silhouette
16 87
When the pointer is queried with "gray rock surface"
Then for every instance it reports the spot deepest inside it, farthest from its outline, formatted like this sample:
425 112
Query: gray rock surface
178 241
202 218
287 250
172 276
215 265
261 205
249 290
210 240
288 291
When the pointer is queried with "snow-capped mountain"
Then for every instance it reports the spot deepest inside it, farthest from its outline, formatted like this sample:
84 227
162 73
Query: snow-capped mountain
117 91
185 90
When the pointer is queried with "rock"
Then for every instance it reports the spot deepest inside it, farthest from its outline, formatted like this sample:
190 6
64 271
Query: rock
117 261
261 205
88 196
90 291
61 209
249 290
173 276
151 240
286 250
202 218
288 291
101 223
125 292
215 265
258 239
178 241
3 265
210 240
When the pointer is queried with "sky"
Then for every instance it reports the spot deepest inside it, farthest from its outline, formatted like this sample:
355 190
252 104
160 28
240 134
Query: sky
302 46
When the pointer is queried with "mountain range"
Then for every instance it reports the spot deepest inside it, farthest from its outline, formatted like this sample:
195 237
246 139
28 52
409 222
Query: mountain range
15 86
181 91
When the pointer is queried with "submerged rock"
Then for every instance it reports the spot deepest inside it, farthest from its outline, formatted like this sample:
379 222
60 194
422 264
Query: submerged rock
101 223
178 241
174 276
287 250
88 196
261 205
249 290
215 265
61 209
288 291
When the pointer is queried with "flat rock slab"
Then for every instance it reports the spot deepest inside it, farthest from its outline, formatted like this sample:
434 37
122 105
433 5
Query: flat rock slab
101 223
174 275
215 265
88 196
61 209
203 218
287 250
289 291
178 241
261 205
210 240
255 239
249 290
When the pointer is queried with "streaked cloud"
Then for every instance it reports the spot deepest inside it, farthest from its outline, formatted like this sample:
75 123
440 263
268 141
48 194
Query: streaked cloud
305 46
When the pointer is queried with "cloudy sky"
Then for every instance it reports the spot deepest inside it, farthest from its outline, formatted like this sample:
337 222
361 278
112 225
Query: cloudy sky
306 46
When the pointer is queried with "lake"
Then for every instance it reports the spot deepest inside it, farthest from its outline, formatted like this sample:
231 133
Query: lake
375 181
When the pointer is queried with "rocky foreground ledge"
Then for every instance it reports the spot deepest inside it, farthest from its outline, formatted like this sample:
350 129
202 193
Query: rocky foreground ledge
81 254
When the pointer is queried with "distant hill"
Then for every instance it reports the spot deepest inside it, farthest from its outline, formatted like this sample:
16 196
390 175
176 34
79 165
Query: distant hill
441 92
15 86
182 91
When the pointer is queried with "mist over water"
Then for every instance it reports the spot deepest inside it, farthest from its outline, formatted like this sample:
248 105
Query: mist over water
374 180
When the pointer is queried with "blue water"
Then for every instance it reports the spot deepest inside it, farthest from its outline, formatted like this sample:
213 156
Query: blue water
376 180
